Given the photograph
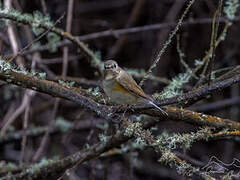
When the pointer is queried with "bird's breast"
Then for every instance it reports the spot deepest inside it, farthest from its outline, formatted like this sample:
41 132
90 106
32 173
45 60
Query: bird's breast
117 93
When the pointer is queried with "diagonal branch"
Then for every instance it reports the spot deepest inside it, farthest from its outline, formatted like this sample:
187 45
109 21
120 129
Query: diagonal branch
83 98
62 33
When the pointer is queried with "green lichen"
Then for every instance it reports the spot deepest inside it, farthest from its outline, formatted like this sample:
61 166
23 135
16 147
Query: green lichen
230 8
37 19
87 146
36 168
63 124
140 117
136 72
103 126
53 39
132 128
66 83
96 61
175 87
8 165
96 92
103 138
139 143
173 141
42 75
198 62
186 169
4 66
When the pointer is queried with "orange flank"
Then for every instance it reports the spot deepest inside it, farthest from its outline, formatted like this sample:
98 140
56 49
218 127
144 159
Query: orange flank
118 87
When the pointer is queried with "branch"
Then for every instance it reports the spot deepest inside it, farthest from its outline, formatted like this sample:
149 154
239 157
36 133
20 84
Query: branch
54 89
96 61
195 95
53 168
87 101
118 32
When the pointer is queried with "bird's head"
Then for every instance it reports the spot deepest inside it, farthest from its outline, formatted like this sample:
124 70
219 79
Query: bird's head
110 65
111 69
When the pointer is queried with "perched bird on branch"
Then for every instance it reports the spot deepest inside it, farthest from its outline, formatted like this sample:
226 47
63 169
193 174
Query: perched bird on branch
122 89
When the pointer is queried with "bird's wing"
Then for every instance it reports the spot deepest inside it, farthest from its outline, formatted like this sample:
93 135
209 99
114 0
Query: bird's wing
127 82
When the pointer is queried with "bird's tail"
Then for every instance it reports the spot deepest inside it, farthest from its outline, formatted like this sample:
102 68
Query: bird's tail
160 109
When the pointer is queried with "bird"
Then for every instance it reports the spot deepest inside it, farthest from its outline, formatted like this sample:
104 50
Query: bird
122 89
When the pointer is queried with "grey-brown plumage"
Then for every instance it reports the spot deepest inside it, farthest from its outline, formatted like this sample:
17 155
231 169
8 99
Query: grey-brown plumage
121 88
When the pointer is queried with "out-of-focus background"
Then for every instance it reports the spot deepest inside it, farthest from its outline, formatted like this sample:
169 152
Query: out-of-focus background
132 32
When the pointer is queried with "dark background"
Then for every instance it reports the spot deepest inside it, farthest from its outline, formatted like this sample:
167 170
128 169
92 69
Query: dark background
137 50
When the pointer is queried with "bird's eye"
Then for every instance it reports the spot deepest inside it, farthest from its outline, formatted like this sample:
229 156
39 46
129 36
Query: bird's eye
114 66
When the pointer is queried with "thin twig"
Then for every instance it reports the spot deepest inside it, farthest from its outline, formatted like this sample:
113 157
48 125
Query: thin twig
133 31
46 135
215 27
171 35
35 40
25 125
18 111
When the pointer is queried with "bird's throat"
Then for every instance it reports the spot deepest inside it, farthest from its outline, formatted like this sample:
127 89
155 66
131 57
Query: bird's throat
109 75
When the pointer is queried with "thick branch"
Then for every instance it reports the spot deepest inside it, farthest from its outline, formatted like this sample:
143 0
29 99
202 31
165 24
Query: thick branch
195 95
49 87
107 112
